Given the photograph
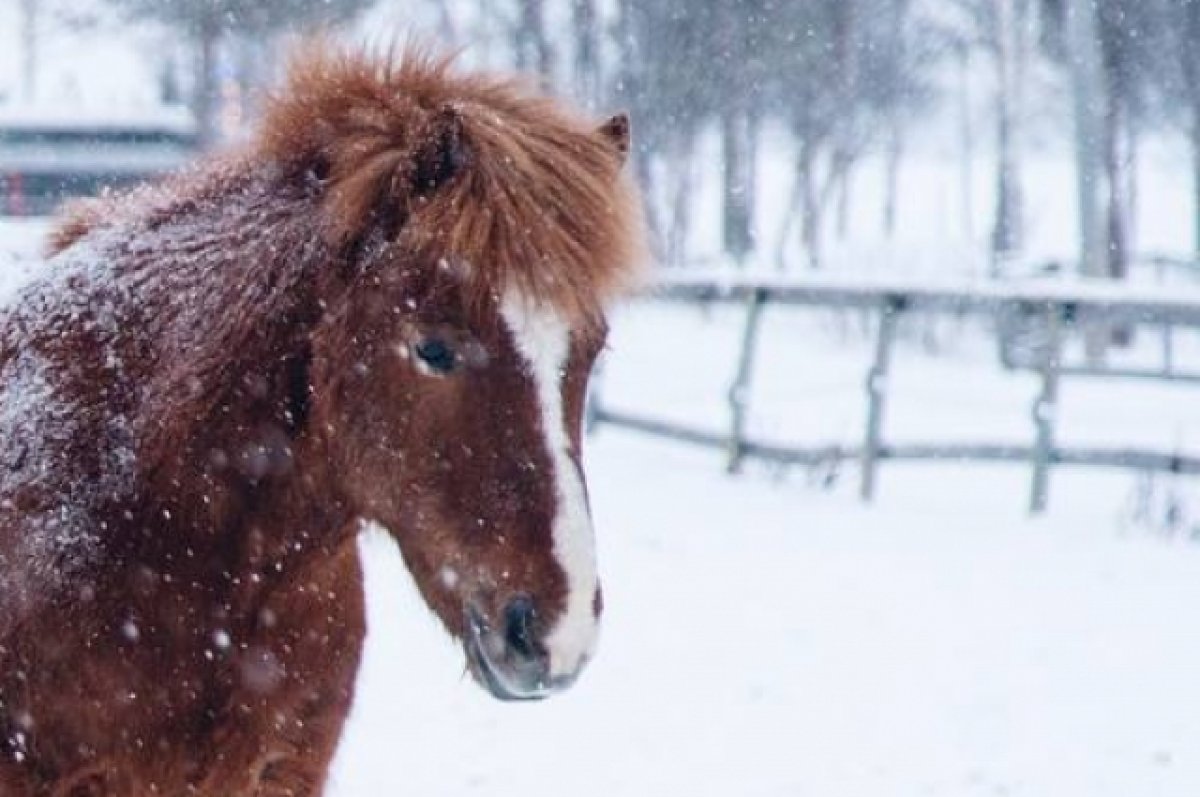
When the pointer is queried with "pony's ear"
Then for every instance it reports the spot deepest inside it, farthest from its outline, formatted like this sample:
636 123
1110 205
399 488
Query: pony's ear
446 152
616 131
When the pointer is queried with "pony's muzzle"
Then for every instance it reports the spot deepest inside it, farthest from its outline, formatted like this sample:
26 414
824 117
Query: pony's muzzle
510 660
520 638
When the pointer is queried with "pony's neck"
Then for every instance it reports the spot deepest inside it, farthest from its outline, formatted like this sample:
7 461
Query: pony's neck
220 524
227 456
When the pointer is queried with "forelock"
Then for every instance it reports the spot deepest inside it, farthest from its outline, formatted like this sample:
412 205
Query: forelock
535 201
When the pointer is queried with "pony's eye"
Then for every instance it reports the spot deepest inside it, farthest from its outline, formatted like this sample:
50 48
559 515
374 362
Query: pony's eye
436 354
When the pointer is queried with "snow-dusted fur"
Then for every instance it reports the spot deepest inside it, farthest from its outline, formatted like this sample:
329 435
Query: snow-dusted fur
215 380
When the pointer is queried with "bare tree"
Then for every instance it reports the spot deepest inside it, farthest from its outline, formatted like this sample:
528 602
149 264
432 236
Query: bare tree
29 49
843 74
630 89
530 40
585 27
853 83
1113 51
966 130
1006 233
1181 84
1129 33
205 22
1188 30
998 30
1087 91
740 28
676 107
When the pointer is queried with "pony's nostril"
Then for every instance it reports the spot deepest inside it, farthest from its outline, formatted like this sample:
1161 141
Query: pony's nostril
519 634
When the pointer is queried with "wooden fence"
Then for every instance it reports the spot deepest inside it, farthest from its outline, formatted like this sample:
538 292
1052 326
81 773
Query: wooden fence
1056 308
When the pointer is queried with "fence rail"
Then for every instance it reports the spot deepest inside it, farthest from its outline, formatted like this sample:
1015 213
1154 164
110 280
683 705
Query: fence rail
1060 307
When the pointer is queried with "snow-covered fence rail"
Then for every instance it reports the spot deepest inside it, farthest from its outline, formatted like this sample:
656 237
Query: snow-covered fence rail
1059 305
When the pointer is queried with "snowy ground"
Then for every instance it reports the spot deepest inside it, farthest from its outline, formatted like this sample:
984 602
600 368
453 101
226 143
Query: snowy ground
765 637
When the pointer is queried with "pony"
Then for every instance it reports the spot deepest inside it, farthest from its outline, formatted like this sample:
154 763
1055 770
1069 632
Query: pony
383 306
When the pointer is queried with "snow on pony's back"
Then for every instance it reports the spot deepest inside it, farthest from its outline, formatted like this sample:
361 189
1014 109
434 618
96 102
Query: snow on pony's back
64 450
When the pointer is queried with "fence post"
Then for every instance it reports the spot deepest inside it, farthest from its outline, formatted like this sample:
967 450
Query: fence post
1045 408
877 389
739 391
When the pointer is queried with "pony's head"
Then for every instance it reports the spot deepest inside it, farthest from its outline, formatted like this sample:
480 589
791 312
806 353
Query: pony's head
484 229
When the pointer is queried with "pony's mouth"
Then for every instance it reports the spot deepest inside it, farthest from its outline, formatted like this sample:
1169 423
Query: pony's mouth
506 672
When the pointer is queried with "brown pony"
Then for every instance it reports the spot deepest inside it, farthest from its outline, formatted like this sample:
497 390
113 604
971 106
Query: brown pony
385 307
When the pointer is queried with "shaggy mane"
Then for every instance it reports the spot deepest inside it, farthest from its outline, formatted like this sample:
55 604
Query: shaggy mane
473 169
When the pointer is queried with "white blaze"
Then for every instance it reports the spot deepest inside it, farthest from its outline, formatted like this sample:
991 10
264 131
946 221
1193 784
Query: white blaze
543 339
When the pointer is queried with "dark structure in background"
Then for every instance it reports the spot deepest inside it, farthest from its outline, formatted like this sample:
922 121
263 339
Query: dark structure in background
44 161
205 24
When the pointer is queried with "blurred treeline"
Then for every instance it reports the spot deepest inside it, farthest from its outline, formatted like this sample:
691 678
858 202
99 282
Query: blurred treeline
846 80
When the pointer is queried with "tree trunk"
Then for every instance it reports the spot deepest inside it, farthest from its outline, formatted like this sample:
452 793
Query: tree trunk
482 31
845 181
1006 232
895 153
629 91
1130 184
29 50
1086 84
447 29
587 51
790 212
750 177
834 187
1088 95
737 184
810 229
681 203
1190 66
532 45
1196 173
1114 167
967 145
